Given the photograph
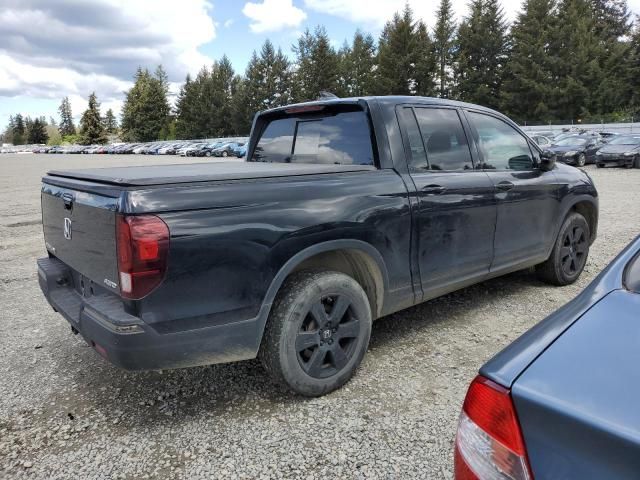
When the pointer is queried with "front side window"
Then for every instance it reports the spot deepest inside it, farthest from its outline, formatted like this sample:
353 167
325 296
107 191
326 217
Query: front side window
339 137
501 147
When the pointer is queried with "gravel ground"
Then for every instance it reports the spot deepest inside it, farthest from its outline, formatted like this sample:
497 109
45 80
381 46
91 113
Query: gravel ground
66 413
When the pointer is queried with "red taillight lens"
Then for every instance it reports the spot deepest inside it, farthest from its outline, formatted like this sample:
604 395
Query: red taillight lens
489 442
143 247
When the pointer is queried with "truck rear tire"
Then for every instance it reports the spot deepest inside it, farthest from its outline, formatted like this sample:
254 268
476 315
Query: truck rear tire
569 254
318 332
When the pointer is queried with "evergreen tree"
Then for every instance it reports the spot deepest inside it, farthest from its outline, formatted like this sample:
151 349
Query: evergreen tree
7 136
357 66
579 56
405 60
204 105
219 90
66 118
425 65
242 111
91 127
612 28
110 122
634 69
38 132
266 84
481 54
186 116
28 125
530 77
145 113
317 65
19 130
443 46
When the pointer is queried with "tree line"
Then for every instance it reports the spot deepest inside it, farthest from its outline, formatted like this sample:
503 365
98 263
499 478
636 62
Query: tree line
559 61
93 128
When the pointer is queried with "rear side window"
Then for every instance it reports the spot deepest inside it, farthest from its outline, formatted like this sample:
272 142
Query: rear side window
438 141
338 137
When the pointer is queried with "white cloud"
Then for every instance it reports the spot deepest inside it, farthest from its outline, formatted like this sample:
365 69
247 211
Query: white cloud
53 49
228 23
273 15
375 14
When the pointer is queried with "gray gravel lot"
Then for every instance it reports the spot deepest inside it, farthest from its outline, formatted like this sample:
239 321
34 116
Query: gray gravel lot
66 413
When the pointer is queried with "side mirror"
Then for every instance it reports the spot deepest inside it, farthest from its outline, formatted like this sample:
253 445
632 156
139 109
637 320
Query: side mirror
547 161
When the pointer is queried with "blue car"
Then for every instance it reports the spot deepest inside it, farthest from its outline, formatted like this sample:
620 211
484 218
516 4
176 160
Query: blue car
562 401
240 151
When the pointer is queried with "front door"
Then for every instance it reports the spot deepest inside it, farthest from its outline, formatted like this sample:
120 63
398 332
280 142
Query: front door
527 198
455 210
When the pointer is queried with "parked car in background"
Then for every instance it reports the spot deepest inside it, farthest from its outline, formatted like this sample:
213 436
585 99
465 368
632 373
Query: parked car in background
607 136
577 150
208 148
196 150
240 151
561 402
350 209
224 150
621 151
541 140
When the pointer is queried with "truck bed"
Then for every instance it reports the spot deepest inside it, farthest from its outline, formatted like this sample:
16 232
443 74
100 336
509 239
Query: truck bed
199 172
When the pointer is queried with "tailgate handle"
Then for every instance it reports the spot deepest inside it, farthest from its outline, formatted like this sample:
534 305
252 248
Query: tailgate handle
67 198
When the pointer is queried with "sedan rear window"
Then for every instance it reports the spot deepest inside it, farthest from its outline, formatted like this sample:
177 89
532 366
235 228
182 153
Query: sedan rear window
335 137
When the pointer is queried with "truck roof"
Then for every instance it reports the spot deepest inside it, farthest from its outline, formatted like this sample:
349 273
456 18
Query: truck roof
384 99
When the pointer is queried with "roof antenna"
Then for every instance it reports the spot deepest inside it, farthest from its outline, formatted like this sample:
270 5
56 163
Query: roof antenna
324 95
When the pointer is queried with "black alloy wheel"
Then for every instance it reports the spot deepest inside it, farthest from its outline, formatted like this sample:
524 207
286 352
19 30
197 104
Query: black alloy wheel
574 250
569 254
317 332
327 336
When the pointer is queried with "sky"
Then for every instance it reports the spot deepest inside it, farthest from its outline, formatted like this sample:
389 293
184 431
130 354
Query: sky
55 48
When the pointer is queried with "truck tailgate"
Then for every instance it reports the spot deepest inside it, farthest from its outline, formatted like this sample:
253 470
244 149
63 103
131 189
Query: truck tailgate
79 229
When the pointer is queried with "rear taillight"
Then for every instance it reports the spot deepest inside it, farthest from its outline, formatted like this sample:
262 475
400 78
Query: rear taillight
143 248
489 442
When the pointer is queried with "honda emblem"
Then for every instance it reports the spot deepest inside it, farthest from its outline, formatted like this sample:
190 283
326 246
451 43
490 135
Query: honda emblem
67 228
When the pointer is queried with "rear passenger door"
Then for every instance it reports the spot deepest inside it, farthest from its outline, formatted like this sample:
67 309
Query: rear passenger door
527 198
456 214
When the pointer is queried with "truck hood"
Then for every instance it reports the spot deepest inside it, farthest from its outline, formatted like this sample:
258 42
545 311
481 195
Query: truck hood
198 172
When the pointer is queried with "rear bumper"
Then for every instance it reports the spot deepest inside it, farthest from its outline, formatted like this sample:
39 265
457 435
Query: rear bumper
128 342
618 161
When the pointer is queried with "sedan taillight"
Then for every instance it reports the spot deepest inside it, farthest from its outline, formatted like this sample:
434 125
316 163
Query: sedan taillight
489 442
143 248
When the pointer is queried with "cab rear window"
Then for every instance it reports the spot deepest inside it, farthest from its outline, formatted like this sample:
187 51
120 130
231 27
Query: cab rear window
341 136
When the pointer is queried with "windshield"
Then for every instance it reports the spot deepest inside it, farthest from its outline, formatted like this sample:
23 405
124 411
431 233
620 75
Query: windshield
571 141
635 140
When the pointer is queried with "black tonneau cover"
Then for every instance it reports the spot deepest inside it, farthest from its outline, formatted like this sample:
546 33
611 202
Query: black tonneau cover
200 172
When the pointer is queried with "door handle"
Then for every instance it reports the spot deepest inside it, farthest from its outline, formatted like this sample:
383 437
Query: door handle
433 189
505 186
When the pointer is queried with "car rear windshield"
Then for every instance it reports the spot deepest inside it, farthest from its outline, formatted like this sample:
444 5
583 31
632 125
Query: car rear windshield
571 141
635 140
334 135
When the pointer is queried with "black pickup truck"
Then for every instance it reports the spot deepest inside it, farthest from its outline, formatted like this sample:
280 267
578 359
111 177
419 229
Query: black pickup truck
345 211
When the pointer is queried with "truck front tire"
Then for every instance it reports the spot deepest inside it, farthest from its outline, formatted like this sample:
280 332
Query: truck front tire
318 332
569 254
